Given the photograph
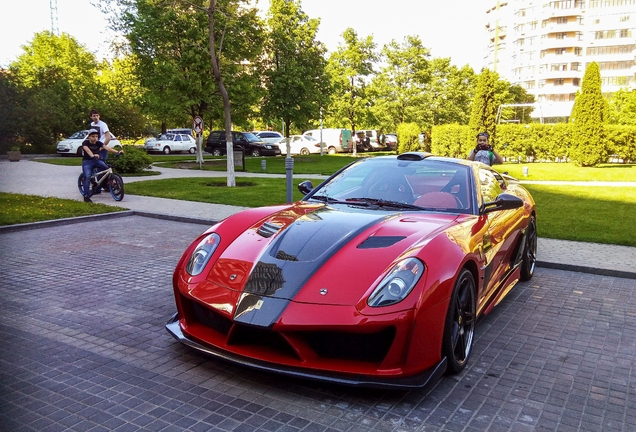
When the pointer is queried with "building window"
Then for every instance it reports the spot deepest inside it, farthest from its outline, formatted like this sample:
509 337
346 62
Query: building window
561 35
578 51
625 33
559 82
576 66
559 51
533 25
607 50
562 20
576 82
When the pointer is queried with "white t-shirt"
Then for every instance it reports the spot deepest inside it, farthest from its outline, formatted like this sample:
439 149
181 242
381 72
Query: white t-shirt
103 128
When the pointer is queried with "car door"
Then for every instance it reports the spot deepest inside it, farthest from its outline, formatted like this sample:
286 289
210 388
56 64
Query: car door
177 143
501 227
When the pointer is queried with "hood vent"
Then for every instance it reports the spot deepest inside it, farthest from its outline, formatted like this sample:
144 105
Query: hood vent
375 242
268 229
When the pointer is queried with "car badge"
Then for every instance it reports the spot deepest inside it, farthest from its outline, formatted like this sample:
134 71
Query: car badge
323 291
233 276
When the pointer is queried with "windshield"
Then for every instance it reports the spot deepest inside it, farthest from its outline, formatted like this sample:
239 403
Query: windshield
422 184
167 137
250 137
78 135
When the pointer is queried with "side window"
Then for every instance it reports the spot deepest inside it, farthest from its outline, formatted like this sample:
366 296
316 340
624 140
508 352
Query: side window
177 138
490 187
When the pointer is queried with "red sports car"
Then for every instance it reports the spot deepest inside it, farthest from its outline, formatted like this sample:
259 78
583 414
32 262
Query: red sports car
376 278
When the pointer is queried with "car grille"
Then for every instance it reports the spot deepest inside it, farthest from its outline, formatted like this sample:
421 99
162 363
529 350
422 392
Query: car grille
335 345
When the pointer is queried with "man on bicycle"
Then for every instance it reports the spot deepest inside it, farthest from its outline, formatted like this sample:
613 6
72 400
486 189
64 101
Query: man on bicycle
92 146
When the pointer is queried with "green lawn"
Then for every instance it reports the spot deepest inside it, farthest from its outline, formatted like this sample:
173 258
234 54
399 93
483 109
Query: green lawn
17 208
598 214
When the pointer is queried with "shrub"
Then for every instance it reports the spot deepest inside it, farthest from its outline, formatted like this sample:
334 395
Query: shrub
408 137
133 161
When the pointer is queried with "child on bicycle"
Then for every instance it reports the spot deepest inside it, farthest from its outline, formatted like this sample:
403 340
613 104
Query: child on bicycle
92 146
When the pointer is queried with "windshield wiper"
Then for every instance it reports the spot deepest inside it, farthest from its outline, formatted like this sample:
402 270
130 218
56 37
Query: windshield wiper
327 199
382 203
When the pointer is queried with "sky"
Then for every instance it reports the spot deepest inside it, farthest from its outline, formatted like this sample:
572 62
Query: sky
449 28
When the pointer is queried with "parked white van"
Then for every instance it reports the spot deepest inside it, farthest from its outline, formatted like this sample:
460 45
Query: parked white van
336 140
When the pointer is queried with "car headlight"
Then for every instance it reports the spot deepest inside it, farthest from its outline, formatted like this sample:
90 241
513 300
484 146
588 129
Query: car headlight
202 254
269 147
398 283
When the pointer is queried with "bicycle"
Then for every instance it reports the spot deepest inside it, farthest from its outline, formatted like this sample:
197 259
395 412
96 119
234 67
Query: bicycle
113 181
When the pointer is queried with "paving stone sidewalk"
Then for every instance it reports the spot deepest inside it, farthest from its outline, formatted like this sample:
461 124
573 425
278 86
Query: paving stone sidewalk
84 349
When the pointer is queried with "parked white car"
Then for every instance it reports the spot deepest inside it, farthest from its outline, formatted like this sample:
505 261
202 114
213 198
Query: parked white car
300 145
170 143
271 137
73 144
333 139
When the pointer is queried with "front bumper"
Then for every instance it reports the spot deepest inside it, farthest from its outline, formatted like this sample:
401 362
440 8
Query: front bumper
421 380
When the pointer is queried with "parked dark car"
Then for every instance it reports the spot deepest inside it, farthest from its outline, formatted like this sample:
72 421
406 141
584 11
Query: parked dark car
253 146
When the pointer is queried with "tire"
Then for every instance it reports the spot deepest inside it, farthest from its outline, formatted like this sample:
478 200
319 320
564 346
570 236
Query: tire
331 150
192 150
80 152
166 150
529 258
116 187
80 184
217 152
304 151
459 329
256 153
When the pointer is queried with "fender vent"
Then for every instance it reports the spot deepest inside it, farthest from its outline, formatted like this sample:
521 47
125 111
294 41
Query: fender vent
268 229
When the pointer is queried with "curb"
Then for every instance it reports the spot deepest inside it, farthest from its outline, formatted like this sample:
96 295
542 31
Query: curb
78 219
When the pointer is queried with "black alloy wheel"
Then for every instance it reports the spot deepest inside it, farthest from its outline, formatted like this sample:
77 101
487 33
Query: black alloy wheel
529 259
459 330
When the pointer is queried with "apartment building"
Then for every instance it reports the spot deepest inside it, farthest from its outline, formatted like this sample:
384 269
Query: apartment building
545 46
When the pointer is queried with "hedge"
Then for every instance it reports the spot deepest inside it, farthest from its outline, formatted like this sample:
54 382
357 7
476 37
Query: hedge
532 142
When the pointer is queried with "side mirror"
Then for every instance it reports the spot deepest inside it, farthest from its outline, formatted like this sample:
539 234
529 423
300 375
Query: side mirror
305 187
504 201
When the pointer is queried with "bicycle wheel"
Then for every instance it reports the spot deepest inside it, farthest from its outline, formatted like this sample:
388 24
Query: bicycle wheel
80 185
116 187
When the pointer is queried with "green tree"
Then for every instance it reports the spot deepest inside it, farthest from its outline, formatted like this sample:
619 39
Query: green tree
622 106
450 93
296 82
589 116
57 76
171 42
490 94
119 98
350 67
398 89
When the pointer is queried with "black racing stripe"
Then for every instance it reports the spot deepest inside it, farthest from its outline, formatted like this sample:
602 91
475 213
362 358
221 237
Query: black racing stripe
277 278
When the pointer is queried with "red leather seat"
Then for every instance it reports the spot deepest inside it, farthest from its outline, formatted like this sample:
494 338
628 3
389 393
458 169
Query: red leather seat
438 200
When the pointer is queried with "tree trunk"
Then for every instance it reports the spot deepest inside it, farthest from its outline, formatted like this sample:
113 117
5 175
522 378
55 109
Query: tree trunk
231 181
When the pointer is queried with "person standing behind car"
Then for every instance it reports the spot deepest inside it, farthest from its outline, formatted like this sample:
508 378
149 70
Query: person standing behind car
484 152
91 159
104 133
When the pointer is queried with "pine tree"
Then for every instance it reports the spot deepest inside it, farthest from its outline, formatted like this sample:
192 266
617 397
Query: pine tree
589 115
483 115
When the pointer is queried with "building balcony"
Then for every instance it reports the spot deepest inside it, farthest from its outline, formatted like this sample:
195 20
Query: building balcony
568 74
570 42
550 89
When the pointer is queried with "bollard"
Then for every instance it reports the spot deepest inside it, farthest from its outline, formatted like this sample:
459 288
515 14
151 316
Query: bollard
264 165
289 173
525 171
